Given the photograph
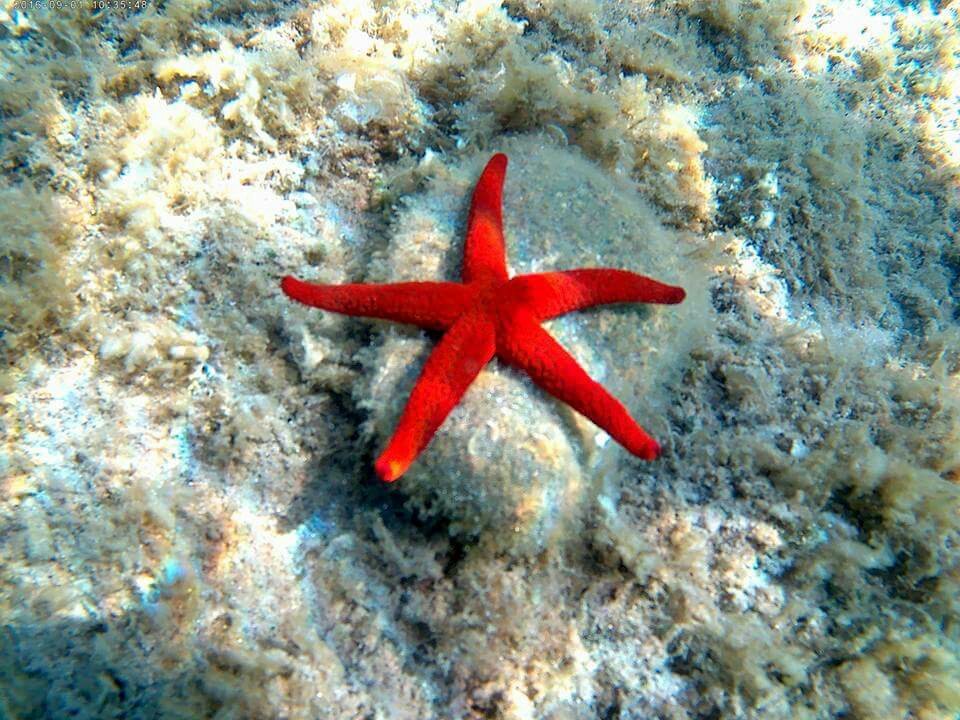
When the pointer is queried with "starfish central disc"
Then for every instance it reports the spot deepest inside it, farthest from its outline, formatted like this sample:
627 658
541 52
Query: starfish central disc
490 314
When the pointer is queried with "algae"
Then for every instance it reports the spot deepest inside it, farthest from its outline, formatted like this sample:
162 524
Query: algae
192 525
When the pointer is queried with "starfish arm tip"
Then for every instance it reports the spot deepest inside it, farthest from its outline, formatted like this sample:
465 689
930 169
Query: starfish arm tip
388 469
652 451
290 286
677 295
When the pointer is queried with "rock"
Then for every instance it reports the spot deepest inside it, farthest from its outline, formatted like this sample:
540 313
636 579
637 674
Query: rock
510 462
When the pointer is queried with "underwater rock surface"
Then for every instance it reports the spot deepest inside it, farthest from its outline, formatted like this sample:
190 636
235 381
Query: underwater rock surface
191 523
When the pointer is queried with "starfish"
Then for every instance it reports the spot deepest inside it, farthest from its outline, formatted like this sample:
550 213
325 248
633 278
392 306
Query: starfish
490 314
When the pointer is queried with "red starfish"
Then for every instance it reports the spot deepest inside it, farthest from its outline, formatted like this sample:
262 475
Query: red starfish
490 314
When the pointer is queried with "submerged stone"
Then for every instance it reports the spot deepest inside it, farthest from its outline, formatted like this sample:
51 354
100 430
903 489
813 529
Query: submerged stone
510 461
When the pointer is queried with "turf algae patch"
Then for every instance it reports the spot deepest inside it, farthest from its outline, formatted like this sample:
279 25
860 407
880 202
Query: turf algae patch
38 227
510 461
795 553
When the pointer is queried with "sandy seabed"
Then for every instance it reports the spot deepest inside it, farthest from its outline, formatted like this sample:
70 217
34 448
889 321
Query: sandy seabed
191 526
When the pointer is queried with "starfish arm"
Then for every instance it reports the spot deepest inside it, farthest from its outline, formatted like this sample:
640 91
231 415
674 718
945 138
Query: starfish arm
484 255
457 359
551 294
530 348
431 305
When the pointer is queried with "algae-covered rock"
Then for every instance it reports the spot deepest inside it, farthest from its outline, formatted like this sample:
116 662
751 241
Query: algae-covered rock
510 459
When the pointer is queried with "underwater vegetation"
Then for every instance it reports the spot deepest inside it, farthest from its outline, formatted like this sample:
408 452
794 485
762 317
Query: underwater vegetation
193 524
